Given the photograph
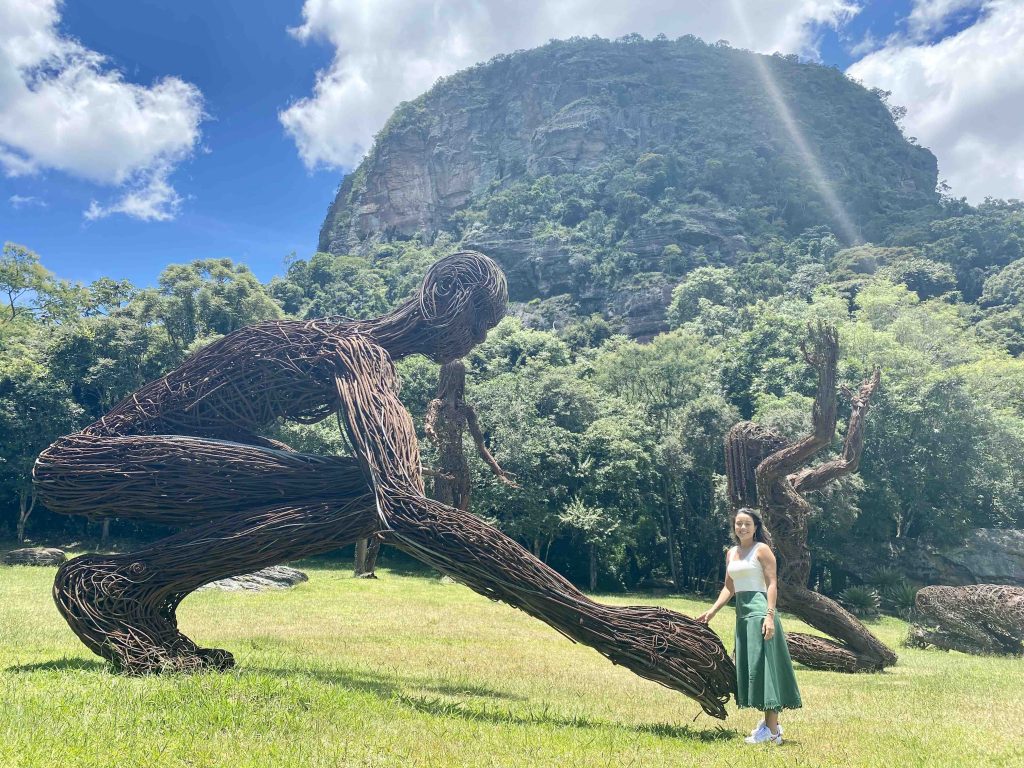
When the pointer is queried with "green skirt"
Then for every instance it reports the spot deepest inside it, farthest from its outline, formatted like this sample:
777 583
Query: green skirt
764 671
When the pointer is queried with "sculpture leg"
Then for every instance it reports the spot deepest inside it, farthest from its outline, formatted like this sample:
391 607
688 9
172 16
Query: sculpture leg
180 480
123 606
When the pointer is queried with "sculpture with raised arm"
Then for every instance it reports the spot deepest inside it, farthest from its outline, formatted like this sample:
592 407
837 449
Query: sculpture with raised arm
766 471
448 416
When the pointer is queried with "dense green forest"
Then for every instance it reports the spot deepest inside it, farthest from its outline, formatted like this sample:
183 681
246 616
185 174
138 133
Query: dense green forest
616 444
613 426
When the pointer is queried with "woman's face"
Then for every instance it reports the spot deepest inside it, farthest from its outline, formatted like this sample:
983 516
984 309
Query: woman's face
743 526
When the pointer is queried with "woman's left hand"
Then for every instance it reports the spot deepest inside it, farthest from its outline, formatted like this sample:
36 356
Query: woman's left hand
768 628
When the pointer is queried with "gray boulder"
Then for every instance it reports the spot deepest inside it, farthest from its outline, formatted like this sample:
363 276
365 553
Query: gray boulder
986 556
35 556
274 577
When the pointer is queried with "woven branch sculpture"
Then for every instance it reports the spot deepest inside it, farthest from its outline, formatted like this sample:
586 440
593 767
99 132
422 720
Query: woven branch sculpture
185 450
982 619
765 471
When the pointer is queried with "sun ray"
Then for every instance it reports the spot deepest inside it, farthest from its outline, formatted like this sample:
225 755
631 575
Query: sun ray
848 229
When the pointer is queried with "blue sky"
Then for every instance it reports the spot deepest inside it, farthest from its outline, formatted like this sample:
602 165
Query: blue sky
264 105
247 194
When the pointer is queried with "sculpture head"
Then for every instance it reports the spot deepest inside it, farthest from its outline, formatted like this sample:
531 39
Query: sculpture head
462 297
451 381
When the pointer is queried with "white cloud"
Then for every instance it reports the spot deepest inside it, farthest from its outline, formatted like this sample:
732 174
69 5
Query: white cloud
62 107
866 44
25 201
965 99
928 16
387 51
150 199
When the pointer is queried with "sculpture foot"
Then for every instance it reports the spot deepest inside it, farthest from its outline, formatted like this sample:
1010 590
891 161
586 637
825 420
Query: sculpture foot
112 607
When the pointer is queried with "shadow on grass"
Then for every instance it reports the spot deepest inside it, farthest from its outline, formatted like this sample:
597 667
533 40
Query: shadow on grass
388 686
79 665
393 688
441 708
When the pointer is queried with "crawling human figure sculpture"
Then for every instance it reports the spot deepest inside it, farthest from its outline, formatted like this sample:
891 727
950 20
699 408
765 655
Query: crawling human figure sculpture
186 450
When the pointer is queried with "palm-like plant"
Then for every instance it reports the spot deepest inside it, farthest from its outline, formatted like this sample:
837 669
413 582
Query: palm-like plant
863 602
885 578
900 598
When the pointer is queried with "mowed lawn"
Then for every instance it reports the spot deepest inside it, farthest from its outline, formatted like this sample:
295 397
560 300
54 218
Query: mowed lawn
416 671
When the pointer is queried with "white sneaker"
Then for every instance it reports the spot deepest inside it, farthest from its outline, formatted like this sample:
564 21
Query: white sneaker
760 735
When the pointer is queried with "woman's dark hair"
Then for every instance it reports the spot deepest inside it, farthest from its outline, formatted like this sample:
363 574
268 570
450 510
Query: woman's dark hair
760 531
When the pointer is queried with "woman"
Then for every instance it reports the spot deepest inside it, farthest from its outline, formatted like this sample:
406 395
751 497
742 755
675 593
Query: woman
764 671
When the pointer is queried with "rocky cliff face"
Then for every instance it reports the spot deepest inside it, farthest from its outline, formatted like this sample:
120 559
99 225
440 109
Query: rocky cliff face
985 556
589 108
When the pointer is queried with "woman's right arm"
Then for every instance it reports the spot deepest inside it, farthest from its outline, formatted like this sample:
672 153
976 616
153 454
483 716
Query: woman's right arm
723 597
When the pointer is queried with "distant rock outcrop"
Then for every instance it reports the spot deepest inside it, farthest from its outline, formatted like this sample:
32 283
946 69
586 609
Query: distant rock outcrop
679 144
984 556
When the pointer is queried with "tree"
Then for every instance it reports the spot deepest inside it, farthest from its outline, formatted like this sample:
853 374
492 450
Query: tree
21 277
924 277
594 527
712 284
203 298
35 409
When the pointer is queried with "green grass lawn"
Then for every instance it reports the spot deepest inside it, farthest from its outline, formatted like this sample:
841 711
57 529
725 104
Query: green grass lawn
413 671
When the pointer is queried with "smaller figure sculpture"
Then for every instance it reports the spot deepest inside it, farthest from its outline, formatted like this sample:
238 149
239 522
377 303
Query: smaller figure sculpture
768 472
447 416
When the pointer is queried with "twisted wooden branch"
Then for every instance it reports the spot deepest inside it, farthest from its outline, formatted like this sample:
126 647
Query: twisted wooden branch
763 470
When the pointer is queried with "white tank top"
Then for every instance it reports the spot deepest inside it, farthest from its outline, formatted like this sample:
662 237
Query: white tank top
746 572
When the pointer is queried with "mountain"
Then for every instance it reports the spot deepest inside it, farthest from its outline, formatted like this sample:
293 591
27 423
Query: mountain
598 172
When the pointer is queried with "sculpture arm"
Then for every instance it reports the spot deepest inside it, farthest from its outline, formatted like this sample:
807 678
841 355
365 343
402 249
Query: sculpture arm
812 478
478 437
824 358
655 643
430 421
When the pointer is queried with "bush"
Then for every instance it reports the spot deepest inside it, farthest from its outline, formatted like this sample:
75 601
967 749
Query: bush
862 602
884 578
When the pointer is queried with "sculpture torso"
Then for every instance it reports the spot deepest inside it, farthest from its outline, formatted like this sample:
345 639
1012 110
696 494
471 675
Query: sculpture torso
287 370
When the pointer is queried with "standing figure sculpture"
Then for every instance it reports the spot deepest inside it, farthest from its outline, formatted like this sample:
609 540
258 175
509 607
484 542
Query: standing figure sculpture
186 450
448 415
766 471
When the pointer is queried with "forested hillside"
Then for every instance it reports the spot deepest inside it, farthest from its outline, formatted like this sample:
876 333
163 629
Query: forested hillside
605 170
667 246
